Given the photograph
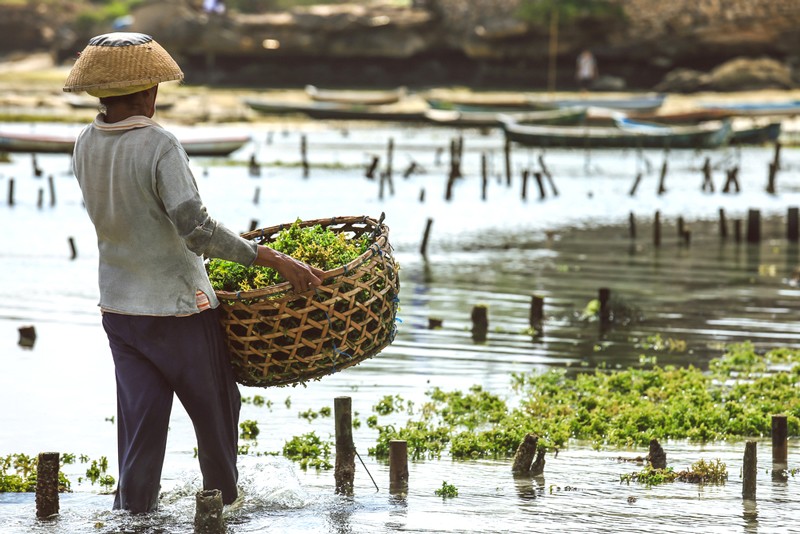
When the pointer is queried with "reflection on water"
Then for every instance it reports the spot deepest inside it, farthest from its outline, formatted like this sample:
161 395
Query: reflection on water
674 304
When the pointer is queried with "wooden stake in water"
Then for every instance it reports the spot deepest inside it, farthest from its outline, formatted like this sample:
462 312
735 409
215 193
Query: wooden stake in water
484 176
662 188
480 322
304 155
723 225
708 184
604 296
536 318
638 179
793 224
780 451
423 249
10 191
526 452
73 250
749 471
632 225
657 229
47 485
345 469
753 226
398 466
52 186
208 517
507 154
370 173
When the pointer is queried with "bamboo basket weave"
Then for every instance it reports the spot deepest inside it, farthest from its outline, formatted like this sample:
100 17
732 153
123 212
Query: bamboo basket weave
278 336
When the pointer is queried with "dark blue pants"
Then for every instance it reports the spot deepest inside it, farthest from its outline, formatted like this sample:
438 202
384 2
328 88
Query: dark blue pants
154 358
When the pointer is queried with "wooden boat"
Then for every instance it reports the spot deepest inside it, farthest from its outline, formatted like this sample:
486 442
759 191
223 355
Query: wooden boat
640 104
757 134
711 134
22 142
356 97
757 109
392 113
489 119
276 107
478 104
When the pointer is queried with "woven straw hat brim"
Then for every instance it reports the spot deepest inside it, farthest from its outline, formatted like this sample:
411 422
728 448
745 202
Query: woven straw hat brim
113 67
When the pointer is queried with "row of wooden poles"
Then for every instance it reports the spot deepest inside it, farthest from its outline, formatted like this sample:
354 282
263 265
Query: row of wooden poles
752 232
209 518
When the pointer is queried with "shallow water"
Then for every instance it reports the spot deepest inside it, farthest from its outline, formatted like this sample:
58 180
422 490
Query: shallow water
500 251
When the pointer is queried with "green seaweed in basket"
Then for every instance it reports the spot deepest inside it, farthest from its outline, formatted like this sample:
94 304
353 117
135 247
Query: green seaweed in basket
315 245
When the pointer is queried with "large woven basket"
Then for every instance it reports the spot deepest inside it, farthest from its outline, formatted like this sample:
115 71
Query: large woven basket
277 336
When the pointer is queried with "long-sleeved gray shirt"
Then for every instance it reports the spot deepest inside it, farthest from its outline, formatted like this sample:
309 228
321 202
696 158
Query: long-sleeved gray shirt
152 227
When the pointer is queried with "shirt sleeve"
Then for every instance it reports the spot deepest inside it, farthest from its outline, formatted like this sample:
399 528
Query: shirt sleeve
177 189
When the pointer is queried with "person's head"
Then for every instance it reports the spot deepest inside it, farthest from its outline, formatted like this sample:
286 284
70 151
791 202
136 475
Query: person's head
123 69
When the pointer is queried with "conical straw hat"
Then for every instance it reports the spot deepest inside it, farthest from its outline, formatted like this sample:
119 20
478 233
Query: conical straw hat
121 63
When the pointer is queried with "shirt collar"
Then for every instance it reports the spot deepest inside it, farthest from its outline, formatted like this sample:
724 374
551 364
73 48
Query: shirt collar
136 121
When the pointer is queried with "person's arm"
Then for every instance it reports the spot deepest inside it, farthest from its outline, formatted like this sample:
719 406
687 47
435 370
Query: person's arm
301 275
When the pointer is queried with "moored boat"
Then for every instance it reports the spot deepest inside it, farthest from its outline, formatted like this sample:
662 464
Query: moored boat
788 108
637 103
357 97
488 119
711 134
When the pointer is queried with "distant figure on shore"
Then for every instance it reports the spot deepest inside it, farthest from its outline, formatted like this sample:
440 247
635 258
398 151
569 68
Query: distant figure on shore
214 6
586 69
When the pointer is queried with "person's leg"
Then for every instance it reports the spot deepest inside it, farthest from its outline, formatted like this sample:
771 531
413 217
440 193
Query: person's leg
200 372
144 402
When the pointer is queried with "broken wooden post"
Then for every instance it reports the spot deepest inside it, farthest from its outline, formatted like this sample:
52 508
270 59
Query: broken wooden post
540 183
656 455
304 155
370 173
780 451
480 322
253 224
47 485
749 470
663 178
208 518
604 296
723 225
753 226
507 154
635 184
632 225
423 249
657 229
774 167
435 322
732 181
793 225
345 468
27 336
73 250
536 316
253 168
389 153
529 458
707 182
398 466
51 184
548 175
484 176
525 174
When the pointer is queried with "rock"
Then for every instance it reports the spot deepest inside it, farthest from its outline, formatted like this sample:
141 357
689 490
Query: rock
683 81
745 74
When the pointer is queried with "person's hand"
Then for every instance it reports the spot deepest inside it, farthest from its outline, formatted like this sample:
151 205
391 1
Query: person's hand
302 276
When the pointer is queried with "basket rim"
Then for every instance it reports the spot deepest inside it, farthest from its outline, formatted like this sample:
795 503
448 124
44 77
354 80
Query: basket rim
381 241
